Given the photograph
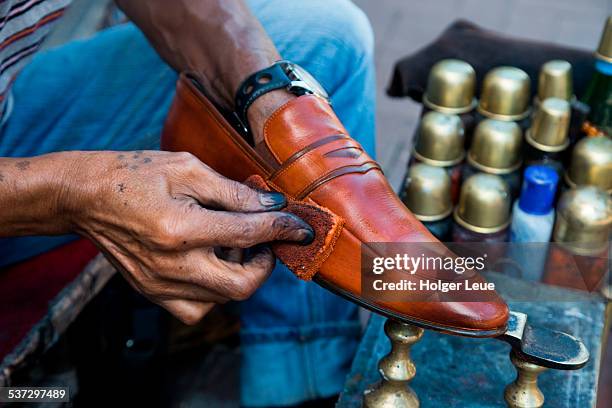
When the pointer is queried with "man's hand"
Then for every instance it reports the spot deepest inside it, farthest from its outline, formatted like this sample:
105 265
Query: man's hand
161 218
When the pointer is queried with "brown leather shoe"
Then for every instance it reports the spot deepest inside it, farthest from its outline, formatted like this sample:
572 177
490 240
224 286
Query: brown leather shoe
308 155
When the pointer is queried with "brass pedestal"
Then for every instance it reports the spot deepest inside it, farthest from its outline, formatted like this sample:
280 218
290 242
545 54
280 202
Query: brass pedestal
528 355
396 369
524 391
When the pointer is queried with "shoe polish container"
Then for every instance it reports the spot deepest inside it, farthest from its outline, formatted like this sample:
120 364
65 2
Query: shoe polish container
497 149
451 86
547 138
427 193
579 257
505 96
440 143
591 164
483 212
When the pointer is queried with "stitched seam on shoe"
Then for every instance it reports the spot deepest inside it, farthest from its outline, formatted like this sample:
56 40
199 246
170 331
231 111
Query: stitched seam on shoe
277 174
308 149
335 174
323 175
267 125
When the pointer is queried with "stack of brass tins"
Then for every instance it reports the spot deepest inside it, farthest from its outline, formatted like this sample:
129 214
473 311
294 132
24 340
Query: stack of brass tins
450 89
427 193
555 81
496 149
440 144
584 217
547 137
505 94
483 212
591 164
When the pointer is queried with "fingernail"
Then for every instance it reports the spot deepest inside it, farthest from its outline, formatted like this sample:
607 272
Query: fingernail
299 230
308 236
272 200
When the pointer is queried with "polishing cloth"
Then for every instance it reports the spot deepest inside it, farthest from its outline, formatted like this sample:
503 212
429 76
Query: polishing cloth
305 260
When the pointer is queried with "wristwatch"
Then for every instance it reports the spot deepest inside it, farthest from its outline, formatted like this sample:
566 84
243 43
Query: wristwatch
282 74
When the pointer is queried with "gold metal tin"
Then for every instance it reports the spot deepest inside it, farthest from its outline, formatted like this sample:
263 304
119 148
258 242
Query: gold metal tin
484 204
604 51
555 81
440 140
496 147
450 87
548 132
591 164
584 217
428 192
505 94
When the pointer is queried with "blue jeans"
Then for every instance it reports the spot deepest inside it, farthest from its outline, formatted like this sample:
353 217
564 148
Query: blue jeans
112 92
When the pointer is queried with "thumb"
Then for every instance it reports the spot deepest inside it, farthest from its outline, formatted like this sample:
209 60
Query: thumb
214 189
243 230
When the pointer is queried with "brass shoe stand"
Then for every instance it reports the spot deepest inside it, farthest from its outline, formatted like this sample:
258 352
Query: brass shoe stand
533 351
534 354
396 369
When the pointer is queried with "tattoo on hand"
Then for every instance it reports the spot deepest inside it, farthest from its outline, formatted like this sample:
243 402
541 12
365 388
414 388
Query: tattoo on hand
132 162
23 165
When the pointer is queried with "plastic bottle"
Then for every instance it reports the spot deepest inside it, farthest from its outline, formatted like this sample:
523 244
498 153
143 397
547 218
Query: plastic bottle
533 218
533 214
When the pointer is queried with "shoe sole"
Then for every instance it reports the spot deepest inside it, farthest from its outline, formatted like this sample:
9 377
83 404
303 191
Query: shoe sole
415 322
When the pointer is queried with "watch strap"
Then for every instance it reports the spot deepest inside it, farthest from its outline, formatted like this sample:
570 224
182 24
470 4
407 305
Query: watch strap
257 84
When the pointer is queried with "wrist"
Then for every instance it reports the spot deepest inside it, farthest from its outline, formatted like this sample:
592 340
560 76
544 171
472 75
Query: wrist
32 195
263 108
225 77
257 98
78 187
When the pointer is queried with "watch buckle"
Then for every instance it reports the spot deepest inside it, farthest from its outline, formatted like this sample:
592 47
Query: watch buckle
299 87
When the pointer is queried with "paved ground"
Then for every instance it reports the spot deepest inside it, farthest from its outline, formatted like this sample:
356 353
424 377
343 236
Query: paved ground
403 26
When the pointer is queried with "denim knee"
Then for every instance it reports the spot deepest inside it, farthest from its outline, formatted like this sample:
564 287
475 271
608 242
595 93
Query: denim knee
345 26
343 41
331 38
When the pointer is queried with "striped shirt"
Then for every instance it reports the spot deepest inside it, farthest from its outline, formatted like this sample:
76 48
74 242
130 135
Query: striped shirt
24 24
